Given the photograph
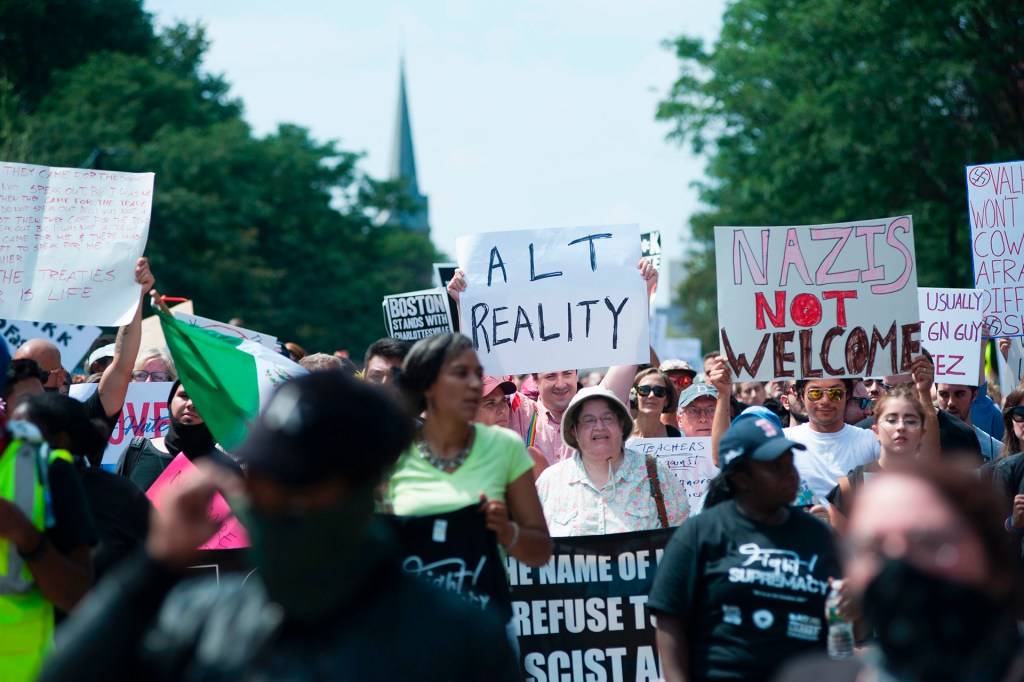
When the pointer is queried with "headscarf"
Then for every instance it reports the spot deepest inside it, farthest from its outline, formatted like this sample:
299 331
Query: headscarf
195 440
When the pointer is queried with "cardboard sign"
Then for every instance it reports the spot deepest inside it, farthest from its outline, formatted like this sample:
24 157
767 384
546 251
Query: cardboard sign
997 243
145 414
585 609
72 340
951 330
549 300
818 301
69 239
417 314
688 458
230 534
228 329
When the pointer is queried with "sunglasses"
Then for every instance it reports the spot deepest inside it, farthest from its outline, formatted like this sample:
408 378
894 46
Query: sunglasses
816 394
682 381
1017 414
862 403
658 391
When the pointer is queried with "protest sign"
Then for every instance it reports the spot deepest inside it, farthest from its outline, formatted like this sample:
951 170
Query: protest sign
73 341
997 238
951 330
230 534
443 273
688 458
455 552
69 239
145 414
227 329
650 247
417 314
548 300
818 301
582 615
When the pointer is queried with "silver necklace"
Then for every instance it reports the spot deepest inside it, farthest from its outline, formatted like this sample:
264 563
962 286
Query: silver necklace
443 463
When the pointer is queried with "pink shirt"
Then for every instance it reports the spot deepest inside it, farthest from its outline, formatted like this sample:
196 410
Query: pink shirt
548 437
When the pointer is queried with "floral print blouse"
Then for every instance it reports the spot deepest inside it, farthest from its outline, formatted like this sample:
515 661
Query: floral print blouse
574 506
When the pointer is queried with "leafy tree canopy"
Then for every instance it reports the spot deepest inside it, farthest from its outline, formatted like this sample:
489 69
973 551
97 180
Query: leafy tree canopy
829 111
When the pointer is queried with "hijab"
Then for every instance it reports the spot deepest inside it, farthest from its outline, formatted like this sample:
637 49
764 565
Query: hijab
195 440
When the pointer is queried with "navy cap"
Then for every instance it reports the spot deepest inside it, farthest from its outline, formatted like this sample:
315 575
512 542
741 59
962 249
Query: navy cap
757 439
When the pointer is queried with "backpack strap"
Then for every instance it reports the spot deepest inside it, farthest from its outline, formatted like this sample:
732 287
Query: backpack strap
659 499
130 457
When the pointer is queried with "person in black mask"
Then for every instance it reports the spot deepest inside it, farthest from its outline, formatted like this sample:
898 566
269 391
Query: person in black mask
327 598
146 458
934 574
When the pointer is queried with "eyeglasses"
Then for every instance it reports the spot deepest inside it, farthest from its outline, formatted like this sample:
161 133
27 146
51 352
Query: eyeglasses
1017 414
909 422
143 375
658 391
696 412
608 420
862 403
869 382
816 394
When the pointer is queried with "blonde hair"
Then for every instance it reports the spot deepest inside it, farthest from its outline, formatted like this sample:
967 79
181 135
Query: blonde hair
153 353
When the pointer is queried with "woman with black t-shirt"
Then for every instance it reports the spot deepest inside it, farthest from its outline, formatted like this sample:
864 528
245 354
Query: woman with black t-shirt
742 586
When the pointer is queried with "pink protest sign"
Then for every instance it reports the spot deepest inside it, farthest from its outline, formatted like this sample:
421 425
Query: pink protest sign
230 535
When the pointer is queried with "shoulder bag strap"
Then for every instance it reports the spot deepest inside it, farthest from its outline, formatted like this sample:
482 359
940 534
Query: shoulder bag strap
659 499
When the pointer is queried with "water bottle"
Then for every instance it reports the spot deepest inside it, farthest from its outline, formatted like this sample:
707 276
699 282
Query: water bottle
840 630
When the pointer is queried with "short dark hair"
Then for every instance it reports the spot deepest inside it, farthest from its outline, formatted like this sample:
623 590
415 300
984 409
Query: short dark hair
801 384
21 369
424 362
387 347
54 413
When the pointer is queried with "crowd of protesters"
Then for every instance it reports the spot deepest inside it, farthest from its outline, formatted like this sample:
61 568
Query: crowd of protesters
909 491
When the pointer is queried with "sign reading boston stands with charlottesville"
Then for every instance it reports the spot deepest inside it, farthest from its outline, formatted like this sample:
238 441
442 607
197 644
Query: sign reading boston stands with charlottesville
814 301
548 300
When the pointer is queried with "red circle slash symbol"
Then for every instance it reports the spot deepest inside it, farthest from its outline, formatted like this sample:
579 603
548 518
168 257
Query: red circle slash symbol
980 176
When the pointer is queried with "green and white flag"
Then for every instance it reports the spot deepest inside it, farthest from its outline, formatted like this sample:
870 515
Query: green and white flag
228 378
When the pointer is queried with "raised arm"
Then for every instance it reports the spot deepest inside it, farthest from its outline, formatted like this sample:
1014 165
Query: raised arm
924 376
114 383
619 378
720 377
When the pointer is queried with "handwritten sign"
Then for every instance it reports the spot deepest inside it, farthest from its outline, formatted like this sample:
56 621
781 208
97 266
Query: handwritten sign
548 300
997 243
417 314
228 329
688 458
818 301
951 330
145 415
69 239
230 534
73 341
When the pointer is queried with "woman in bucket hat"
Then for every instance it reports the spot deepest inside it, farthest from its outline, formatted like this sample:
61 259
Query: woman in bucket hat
604 487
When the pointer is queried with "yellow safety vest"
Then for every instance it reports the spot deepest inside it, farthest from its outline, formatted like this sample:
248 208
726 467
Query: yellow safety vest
26 617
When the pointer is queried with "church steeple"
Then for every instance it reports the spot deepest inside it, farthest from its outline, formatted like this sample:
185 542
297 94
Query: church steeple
403 164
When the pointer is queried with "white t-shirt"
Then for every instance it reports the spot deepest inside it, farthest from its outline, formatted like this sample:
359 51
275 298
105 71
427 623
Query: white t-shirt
830 456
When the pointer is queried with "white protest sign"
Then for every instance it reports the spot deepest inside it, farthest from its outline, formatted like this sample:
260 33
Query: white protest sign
417 314
69 239
951 332
818 301
145 413
688 458
73 341
997 243
548 300
228 329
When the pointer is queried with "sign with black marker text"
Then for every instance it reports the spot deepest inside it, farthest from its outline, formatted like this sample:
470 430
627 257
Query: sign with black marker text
417 314
688 458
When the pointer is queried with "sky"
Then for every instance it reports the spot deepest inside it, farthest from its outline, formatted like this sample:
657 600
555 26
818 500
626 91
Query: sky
526 114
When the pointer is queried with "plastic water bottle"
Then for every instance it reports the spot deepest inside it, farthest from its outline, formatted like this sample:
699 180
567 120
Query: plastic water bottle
840 630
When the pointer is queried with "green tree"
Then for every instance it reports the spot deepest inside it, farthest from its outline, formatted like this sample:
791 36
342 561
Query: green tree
814 112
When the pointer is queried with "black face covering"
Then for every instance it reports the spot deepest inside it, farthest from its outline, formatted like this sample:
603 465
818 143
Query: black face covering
930 628
195 440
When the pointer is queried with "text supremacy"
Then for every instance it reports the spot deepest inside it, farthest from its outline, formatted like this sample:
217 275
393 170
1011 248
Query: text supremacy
813 301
